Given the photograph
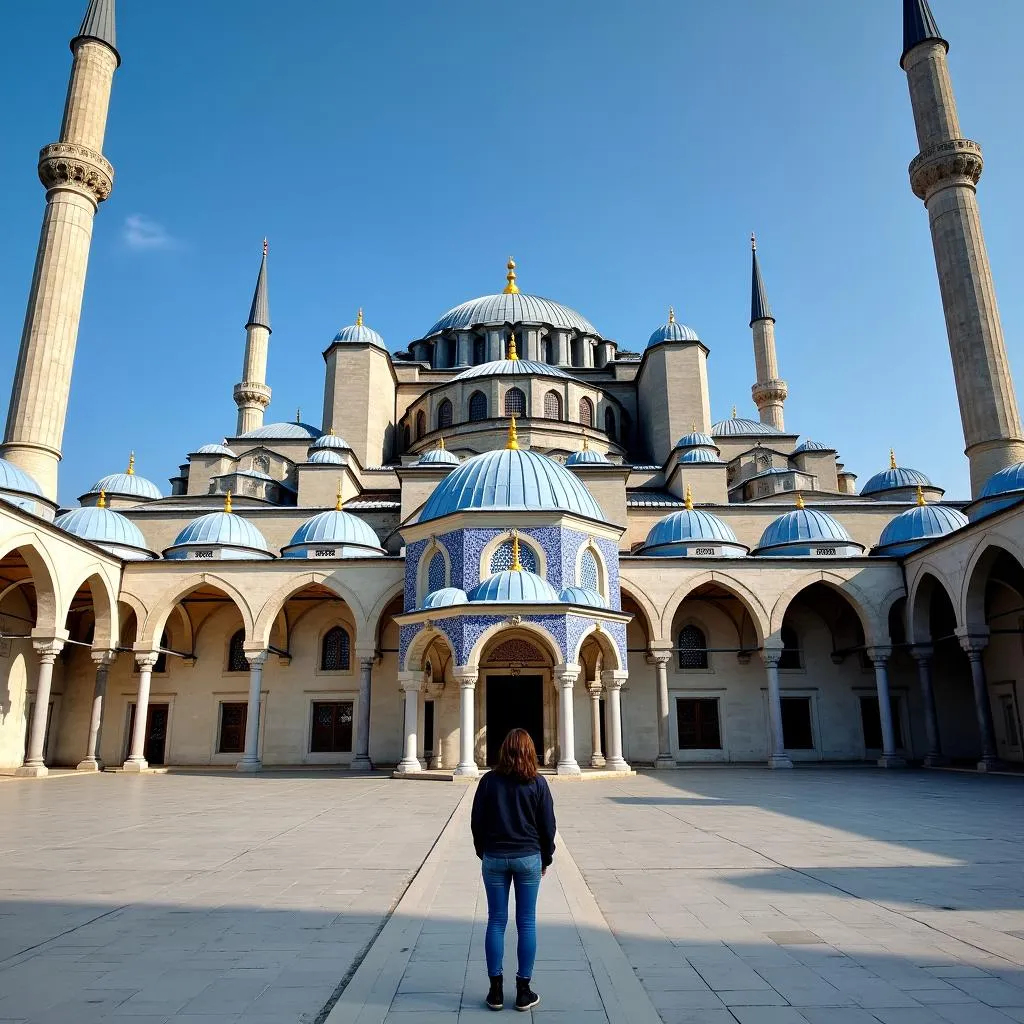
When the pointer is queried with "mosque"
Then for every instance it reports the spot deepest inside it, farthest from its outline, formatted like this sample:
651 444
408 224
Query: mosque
513 520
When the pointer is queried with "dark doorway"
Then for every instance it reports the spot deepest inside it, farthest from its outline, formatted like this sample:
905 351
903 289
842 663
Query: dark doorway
697 724
332 727
871 721
514 702
156 732
796 723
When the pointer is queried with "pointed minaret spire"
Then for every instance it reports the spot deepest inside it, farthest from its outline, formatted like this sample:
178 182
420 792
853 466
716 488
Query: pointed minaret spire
252 396
759 308
99 23
919 26
769 390
259 312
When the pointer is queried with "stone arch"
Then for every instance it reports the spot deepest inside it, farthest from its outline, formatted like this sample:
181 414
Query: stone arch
648 620
970 603
540 556
434 547
150 632
275 604
104 608
611 657
44 579
875 631
537 632
374 620
919 602
416 655
750 601
603 575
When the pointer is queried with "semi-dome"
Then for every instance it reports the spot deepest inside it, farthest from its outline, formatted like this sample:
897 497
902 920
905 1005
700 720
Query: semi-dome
691 530
804 531
108 529
344 534
737 425
215 449
895 478
283 431
224 534
511 308
912 529
583 596
325 456
329 440
699 455
1000 491
127 484
513 368
812 446
515 585
672 330
446 597
358 334
587 457
696 439
439 456
510 478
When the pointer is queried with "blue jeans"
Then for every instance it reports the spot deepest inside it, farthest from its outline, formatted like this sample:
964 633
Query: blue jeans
499 873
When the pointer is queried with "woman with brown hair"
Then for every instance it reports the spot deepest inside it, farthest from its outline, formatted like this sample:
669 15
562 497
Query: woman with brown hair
514 836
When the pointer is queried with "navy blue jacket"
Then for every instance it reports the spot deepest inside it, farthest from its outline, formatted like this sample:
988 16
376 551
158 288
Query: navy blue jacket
513 818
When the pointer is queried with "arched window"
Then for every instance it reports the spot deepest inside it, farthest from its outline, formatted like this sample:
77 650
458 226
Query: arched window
406 437
477 406
693 648
436 576
790 649
586 412
501 560
161 661
444 415
237 661
590 575
547 351
479 351
576 352
261 463
609 424
335 652
515 402
553 405
421 424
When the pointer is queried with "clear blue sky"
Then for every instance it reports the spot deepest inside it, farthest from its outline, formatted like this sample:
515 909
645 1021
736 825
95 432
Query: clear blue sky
396 153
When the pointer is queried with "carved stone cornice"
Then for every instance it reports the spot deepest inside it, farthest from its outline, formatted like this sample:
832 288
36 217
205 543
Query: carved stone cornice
956 162
765 392
252 393
68 165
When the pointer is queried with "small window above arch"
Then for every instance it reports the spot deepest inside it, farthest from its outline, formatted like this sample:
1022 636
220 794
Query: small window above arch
693 647
335 650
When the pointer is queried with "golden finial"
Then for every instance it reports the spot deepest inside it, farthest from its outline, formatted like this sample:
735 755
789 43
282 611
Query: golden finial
892 459
693 426
671 314
753 242
266 247
511 288
920 496
799 501
337 504
512 353
513 437
586 442
440 444
331 431
517 566
359 317
227 502
102 503
734 412
688 498
131 464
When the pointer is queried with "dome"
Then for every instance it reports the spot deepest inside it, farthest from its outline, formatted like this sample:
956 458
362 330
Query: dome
581 595
215 449
812 446
333 529
699 455
12 478
672 331
510 478
359 334
687 526
283 431
794 532
438 457
106 528
696 439
445 598
895 478
512 308
587 457
128 484
512 368
738 425
515 585
1006 481
918 525
237 536
325 455
329 440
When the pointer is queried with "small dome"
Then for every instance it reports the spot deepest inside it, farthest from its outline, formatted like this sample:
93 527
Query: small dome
688 525
236 535
672 331
699 455
812 446
510 478
106 528
587 457
511 308
215 449
445 598
325 455
583 596
895 478
513 368
918 525
12 478
129 485
359 334
283 431
802 526
330 440
438 457
334 528
739 426
515 585
1006 481
696 439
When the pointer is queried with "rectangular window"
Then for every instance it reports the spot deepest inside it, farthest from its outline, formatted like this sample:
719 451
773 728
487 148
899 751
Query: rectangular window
796 723
332 727
697 723
233 716
428 729
871 722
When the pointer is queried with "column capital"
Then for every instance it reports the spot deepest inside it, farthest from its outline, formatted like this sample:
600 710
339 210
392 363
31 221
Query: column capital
595 687
566 675
466 677
47 647
922 652
366 661
658 655
973 643
614 679
146 659
771 656
878 655
409 682
103 657
257 657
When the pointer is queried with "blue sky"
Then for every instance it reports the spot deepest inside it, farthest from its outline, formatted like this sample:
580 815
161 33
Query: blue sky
396 152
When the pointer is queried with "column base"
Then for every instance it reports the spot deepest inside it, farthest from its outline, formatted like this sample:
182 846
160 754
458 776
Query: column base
89 764
665 761
617 765
780 761
597 761
891 761
249 766
466 769
360 764
568 768
408 767
135 766
32 771
989 764
936 761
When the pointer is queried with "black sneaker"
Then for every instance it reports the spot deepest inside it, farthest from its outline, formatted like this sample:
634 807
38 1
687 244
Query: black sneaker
526 999
496 996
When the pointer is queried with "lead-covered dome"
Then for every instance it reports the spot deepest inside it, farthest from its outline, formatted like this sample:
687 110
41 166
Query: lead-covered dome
737 425
513 368
439 456
806 531
340 533
446 597
586 456
672 330
812 446
107 529
512 308
914 528
895 478
358 334
219 535
215 449
1001 490
582 596
329 440
283 431
692 531
17 487
325 456
515 585
510 479
699 455
127 484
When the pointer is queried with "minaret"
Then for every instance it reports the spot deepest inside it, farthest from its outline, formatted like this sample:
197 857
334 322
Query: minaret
77 178
769 391
945 175
252 396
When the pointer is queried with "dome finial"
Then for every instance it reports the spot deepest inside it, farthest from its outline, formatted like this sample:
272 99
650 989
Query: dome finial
440 443
671 314
337 503
688 499
892 458
513 354
734 412
513 437
298 414
102 503
331 431
359 317
227 502
586 442
266 246
511 288
799 501
753 242
517 566
920 496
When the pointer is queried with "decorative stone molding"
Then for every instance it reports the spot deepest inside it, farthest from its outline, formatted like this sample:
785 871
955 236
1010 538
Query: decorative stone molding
47 648
771 656
103 657
67 165
147 659
879 655
765 392
956 162
252 393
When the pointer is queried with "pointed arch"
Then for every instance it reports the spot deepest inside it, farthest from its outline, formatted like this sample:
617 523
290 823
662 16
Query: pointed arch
537 632
970 603
104 608
927 580
50 611
422 642
274 605
374 620
650 620
153 628
610 656
750 601
876 631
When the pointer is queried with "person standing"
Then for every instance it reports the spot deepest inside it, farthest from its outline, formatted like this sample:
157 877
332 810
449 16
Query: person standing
513 825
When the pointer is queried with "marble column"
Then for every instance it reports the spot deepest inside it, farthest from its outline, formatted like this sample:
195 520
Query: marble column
880 659
410 762
597 757
923 656
660 659
91 762
974 646
777 756
613 681
251 758
467 723
361 747
565 680
34 765
137 751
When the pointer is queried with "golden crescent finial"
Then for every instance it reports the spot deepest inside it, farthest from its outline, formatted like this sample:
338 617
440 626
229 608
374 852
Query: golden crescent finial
511 288
131 464
671 314
440 444
892 458
102 503
920 496
359 317
513 353
517 566
799 501
513 436
734 412
337 503
688 498
227 502
586 442
331 431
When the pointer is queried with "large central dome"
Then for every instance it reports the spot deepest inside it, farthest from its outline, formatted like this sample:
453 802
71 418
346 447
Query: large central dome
512 308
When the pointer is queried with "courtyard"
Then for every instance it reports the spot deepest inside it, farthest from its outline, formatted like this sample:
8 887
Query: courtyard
846 896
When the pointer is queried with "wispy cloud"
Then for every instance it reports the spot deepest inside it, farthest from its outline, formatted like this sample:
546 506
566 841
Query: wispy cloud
144 235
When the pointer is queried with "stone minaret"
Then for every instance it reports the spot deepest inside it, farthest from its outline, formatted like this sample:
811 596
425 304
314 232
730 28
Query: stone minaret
252 396
77 179
945 175
769 391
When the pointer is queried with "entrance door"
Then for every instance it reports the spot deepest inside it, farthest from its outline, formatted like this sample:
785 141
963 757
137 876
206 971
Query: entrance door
156 732
514 702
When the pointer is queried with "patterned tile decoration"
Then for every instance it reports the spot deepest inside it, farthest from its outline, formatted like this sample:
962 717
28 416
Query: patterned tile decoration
516 649
413 554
